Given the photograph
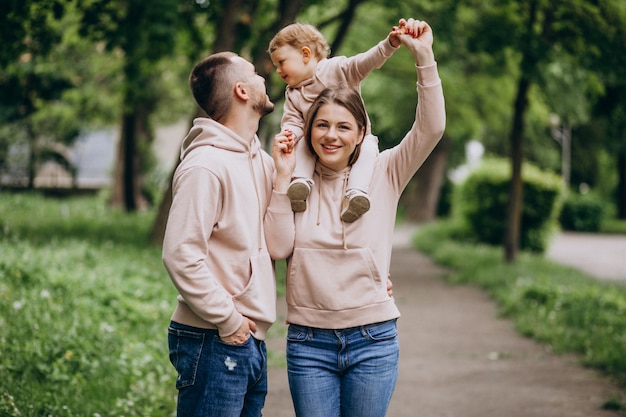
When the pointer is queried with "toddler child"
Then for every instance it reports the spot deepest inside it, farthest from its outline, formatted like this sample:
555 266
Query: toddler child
300 54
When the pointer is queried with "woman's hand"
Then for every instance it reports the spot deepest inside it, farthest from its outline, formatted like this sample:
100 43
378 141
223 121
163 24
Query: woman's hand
284 159
417 36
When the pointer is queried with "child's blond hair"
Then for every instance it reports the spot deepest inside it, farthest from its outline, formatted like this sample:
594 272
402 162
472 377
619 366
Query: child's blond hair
298 35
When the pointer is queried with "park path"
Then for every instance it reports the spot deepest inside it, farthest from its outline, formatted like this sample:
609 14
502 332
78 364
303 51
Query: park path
459 359
600 255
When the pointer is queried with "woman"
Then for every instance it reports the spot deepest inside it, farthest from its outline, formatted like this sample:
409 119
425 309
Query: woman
342 344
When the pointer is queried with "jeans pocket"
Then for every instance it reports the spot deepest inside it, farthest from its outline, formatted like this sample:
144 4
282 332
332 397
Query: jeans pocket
185 349
297 333
234 345
382 331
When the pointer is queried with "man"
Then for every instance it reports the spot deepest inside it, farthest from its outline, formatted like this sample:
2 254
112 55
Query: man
214 248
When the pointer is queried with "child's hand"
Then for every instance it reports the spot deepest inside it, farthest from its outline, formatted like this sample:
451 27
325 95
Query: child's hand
285 141
394 37
396 32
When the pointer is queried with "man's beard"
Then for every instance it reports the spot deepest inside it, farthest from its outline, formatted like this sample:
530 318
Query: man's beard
264 106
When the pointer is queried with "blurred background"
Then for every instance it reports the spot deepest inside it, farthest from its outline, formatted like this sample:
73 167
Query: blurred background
94 92
94 103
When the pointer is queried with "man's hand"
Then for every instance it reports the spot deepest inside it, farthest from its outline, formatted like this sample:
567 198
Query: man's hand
242 334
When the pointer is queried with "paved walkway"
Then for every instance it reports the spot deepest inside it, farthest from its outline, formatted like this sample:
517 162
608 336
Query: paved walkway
602 256
459 359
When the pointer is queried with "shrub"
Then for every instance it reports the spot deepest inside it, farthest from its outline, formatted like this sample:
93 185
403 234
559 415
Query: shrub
482 203
583 213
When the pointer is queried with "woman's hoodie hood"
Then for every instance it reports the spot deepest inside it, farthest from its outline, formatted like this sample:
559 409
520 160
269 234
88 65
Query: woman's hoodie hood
208 132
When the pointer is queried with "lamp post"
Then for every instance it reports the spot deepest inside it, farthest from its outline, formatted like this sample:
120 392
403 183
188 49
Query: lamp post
562 133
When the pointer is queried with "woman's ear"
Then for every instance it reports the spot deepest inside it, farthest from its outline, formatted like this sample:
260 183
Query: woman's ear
362 135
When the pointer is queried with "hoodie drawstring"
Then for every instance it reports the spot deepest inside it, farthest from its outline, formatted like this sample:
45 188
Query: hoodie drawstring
343 224
258 199
319 199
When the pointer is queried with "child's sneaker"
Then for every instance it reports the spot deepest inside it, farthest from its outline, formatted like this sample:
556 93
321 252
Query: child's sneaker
358 205
298 192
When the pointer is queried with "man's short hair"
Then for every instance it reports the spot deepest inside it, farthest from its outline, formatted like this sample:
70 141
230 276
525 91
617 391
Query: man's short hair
211 82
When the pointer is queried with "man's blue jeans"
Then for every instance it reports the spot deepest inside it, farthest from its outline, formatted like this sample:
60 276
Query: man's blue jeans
342 373
216 379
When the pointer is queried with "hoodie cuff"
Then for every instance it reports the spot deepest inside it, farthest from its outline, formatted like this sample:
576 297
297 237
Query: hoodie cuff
231 325
428 75
387 48
280 203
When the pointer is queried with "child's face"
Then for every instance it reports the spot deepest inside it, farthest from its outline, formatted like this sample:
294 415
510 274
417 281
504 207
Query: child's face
291 65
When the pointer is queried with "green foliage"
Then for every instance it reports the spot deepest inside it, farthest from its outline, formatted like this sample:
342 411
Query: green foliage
482 201
28 24
583 213
83 307
560 307
614 226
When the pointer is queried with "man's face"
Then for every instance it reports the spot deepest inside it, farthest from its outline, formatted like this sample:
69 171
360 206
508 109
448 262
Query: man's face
256 84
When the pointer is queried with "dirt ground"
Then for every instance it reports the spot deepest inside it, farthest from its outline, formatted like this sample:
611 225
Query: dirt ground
459 359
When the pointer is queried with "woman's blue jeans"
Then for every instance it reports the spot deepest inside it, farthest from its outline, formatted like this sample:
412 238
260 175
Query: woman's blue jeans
216 379
342 373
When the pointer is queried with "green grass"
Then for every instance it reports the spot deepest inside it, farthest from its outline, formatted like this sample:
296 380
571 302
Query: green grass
614 226
84 307
85 303
566 310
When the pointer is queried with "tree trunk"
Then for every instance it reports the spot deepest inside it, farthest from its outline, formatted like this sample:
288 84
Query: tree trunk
516 197
157 233
422 197
128 180
621 183
346 18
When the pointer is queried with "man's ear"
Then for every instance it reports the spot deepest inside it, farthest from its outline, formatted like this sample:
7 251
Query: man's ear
241 91
306 54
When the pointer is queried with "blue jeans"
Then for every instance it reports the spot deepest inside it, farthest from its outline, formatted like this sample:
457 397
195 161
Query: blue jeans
342 373
216 379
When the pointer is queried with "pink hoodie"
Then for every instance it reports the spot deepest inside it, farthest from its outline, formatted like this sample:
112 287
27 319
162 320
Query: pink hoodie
214 248
337 272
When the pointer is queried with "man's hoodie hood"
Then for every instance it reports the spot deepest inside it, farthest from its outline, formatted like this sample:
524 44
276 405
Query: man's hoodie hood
208 132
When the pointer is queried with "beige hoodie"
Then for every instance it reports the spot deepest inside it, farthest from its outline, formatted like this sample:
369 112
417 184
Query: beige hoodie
337 272
214 249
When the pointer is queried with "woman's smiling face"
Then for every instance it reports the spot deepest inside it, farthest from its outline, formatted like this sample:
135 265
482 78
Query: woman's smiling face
335 134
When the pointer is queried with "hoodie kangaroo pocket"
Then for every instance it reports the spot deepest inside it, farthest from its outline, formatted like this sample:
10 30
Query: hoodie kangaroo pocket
330 279
258 298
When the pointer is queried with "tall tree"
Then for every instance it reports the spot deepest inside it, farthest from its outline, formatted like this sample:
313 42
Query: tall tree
612 106
142 33
534 30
